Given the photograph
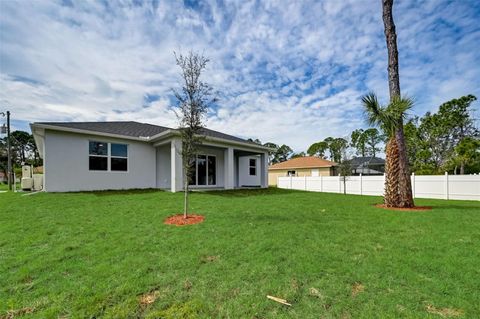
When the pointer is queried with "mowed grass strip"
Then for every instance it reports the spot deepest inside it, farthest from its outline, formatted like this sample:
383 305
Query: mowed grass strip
109 255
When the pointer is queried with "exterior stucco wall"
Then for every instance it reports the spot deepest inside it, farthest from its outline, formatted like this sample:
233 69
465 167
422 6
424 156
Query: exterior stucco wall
274 174
67 164
164 176
244 177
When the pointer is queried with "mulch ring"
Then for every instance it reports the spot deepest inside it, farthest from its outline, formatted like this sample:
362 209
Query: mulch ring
178 220
413 209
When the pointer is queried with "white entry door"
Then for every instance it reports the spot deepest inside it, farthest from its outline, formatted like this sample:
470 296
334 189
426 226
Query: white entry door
315 172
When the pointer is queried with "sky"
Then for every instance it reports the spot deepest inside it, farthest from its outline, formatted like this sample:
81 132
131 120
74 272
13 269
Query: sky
287 72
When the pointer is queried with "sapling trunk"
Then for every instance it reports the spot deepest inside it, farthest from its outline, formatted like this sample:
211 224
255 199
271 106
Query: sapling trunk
185 202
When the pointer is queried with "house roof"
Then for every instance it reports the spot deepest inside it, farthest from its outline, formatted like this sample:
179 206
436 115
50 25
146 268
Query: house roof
367 160
303 162
134 129
126 128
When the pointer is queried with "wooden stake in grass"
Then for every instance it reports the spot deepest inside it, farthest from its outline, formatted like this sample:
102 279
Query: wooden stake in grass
279 300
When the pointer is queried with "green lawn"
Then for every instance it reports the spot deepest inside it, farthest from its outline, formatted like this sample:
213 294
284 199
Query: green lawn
91 255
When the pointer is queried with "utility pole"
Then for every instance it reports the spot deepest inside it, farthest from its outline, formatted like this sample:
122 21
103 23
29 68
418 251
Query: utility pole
9 154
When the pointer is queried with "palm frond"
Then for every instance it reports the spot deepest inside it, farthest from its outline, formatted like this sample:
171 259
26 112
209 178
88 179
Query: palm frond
389 117
376 114
400 106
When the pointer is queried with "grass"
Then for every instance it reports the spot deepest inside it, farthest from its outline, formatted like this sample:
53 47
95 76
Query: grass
109 255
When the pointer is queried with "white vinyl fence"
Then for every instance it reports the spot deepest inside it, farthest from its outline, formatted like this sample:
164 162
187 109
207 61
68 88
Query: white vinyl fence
464 187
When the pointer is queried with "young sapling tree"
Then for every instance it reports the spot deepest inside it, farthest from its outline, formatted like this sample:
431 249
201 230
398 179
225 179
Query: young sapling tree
193 101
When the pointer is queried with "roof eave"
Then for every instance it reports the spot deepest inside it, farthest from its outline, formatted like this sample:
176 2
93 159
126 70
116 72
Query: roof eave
91 132
299 167
166 134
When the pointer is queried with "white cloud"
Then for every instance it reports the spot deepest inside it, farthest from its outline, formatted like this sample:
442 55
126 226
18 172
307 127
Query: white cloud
288 72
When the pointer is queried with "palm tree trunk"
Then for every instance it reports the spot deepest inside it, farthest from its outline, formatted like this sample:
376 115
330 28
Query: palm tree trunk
404 183
391 37
392 167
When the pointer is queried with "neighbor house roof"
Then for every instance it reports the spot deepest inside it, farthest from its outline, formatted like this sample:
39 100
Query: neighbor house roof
134 129
368 160
303 162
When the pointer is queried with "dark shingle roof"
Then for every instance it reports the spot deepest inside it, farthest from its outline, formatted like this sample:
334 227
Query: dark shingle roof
127 128
212 133
134 129
367 161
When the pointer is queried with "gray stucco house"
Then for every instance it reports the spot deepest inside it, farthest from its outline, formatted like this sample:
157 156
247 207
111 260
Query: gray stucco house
83 156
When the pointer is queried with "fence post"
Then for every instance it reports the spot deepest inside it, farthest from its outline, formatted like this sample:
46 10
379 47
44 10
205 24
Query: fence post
321 183
305 182
384 179
361 185
413 184
446 185
339 183
291 185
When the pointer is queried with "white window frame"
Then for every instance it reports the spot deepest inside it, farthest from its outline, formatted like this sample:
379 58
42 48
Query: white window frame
109 157
206 168
105 156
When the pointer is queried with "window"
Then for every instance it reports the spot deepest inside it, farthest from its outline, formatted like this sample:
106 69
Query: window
204 171
193 173
212 170
119 159
253 167
101 154
98 156
291 173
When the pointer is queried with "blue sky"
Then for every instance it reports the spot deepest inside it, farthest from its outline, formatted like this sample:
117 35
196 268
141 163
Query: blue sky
288 72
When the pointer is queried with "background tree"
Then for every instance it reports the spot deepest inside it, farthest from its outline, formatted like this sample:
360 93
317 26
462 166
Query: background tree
278 153
358 140
337 146
23 146
318 149
389 118
3 156
431 139
193 101
345 169
283 153
373 138
272 153
256 141
329 141
24 150
300 154
455 119
400 153
467 154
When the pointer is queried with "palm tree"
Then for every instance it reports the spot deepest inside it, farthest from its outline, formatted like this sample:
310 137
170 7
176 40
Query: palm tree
404 183
389 118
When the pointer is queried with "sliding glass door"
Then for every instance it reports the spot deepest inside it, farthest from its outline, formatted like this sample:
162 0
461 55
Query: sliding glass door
205 171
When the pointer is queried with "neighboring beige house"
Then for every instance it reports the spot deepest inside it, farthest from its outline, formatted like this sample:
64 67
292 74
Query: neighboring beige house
300 166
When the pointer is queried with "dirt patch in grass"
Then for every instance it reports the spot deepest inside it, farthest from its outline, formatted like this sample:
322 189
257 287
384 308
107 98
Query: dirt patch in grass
444 312
178 220
148 298
18 313
413 209
357 288
209 259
